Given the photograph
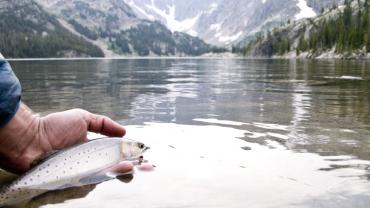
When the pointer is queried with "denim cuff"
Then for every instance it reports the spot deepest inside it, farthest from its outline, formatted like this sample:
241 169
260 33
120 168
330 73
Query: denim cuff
7 116
10 93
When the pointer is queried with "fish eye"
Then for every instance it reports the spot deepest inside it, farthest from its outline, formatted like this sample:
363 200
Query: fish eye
141 145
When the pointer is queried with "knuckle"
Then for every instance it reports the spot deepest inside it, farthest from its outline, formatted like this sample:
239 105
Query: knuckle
80 111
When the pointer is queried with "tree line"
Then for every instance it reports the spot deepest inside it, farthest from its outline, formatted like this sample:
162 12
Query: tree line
349 31
346 32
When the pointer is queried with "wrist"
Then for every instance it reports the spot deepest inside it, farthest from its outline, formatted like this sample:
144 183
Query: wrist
20 139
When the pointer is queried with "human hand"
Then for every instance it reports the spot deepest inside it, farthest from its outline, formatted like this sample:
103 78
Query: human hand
28 137
63 129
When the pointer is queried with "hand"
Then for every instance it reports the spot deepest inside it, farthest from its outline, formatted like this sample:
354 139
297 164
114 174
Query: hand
28 137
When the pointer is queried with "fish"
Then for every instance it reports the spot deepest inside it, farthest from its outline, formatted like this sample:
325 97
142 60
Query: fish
67 168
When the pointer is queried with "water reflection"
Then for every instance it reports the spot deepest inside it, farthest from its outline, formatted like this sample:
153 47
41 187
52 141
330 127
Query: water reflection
60 196
267 133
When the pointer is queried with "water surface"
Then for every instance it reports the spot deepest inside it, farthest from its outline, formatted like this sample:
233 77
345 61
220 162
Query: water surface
223 132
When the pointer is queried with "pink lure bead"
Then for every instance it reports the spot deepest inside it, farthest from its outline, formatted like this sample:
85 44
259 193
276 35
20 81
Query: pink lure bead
145 167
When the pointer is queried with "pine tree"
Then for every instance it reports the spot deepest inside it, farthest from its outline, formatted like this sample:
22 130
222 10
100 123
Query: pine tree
367 40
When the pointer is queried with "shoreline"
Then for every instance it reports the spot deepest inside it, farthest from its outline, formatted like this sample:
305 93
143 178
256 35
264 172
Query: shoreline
275 57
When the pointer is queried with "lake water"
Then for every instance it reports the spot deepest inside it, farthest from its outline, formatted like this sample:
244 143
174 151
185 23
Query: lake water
223 132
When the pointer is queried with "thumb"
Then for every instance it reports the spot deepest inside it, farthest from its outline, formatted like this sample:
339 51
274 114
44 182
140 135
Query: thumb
104 125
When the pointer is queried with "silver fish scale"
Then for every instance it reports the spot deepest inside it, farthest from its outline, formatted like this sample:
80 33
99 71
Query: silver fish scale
74 164
66 167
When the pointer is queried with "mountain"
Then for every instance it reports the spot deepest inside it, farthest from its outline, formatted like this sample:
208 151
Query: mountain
115 27
224 22
56 28
342 32
28 31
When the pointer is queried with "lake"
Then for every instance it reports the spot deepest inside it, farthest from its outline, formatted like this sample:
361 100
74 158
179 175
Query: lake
229 133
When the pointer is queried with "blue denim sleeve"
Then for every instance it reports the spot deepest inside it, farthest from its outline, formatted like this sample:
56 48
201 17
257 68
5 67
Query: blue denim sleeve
10 93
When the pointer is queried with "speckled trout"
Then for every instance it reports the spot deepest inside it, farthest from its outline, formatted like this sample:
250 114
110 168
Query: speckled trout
67 168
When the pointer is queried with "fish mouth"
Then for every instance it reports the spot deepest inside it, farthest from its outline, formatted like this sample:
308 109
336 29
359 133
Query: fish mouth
146 148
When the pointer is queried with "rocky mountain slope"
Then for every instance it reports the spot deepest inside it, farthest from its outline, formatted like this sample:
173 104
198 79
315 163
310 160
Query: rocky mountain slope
342 32
28 31
141 27
114 26
226 22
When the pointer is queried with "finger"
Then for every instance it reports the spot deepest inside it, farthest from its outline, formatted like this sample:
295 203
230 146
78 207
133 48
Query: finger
104 125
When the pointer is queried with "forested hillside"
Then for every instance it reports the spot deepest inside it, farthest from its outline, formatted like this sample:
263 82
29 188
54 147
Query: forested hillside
27 31
342 32
153 38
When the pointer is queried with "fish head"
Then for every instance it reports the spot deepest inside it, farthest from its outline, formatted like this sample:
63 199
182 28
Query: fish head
131 150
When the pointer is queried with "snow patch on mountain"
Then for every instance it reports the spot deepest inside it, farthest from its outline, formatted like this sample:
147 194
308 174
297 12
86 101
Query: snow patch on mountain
172 23
212 8
132 4
306 11
229 39
215 27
